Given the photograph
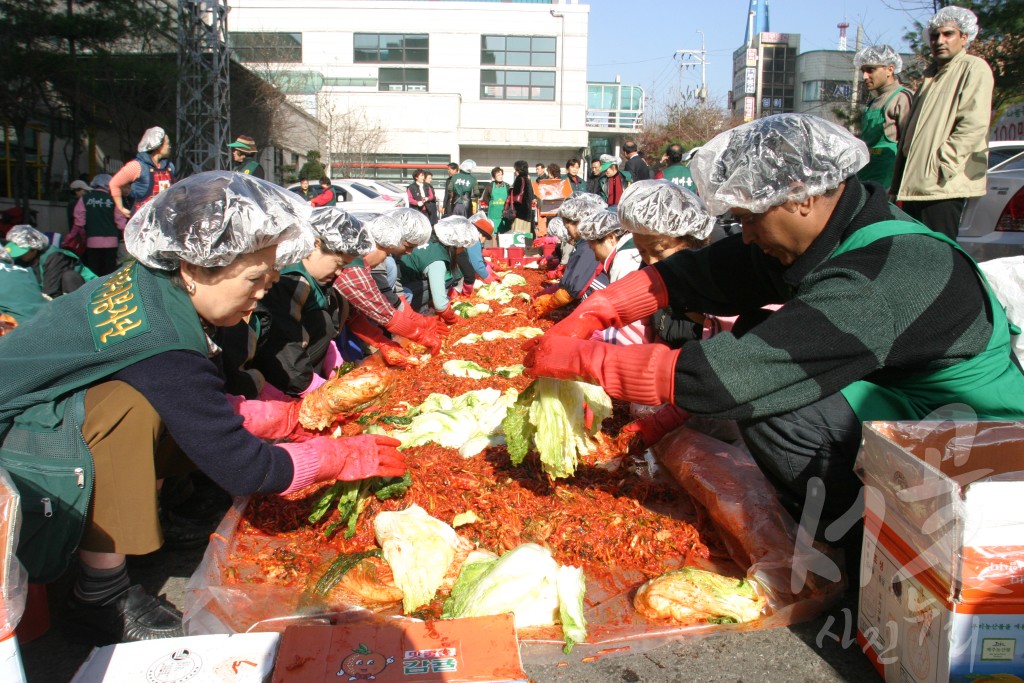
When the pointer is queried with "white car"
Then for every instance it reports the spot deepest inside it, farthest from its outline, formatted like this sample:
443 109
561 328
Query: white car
992 226
385 188
356 197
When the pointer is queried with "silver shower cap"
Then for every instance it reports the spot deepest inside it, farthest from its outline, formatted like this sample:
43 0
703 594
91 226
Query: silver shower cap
456 231
340 232
772 160
27 237
600 224
414 226
556 228
152 139
963 19
467 166
878 55
212 218
660 207
102 180
580 204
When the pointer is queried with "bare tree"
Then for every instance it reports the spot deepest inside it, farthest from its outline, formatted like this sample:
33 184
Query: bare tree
350 138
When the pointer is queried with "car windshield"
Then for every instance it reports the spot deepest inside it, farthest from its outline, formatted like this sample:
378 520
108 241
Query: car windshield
998 155
390 186
369 192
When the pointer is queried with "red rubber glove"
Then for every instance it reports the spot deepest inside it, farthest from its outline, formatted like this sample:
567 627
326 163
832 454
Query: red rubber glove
659 423
349 459
448 316
392 353
641 373
545 303
635 296
467 290
413 326
271 420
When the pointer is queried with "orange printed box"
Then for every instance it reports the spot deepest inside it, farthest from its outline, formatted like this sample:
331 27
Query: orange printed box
477 650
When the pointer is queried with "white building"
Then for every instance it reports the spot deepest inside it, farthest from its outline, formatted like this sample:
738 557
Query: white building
444 81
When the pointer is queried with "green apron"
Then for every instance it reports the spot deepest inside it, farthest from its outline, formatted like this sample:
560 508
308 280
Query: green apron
882 149
987 387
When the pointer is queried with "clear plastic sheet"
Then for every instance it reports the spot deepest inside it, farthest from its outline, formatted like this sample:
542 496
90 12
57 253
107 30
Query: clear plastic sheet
722 480
13 578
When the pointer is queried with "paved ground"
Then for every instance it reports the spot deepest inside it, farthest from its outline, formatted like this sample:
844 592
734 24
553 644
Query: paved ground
800 653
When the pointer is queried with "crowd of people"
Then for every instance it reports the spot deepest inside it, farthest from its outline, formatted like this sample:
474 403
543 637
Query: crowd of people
830 307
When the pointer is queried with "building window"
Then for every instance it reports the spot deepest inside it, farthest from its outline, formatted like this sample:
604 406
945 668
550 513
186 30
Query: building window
259 46
518 50
396 80
517 85
391 48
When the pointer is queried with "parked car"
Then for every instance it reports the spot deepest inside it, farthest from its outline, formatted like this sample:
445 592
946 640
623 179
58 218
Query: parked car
385 188
354 196
992 226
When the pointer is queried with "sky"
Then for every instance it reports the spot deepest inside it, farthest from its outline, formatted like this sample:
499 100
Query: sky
638 40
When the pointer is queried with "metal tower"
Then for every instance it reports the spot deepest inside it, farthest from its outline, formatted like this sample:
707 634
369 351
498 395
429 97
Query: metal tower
204 113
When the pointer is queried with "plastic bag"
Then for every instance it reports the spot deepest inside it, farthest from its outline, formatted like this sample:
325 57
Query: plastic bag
13 578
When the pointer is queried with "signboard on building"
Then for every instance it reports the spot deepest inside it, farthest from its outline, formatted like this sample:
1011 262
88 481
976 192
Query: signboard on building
752 56
774 37
1010 125
749 108
841 91
750 81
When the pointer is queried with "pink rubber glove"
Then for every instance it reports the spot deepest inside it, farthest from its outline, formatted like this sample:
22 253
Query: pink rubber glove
418 328
641 373
491 277
635 296
467 290
659 423
332 359
271 420
349 458
313 384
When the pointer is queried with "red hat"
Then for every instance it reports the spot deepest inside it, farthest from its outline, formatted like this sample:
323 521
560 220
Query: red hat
483 224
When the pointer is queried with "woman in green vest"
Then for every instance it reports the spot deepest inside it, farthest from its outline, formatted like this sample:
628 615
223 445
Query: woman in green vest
111 388
430 271
21 294
299 351
58 271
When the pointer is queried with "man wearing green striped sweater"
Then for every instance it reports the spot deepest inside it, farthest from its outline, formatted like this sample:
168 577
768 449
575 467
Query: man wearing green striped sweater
880 317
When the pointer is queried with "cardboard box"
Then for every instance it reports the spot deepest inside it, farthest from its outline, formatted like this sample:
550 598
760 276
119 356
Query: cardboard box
942 565
481 650
240 658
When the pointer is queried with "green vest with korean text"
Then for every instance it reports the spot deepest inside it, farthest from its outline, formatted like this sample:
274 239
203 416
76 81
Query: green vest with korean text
990 384
73 342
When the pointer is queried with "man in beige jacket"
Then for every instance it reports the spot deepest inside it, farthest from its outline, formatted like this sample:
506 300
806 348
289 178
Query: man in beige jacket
943 158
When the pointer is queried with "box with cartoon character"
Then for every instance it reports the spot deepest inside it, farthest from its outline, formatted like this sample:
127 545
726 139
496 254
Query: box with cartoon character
481 650
942 565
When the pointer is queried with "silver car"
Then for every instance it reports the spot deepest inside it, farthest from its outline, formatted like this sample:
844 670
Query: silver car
992 226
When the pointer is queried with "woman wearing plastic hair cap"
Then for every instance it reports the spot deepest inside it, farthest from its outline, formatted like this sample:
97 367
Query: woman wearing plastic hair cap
370 285
612 245
578 205
301 315
664 218
770 161
101 380
58 271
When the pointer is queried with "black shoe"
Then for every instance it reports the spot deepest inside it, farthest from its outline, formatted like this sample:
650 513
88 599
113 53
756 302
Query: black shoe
131 615
183 533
